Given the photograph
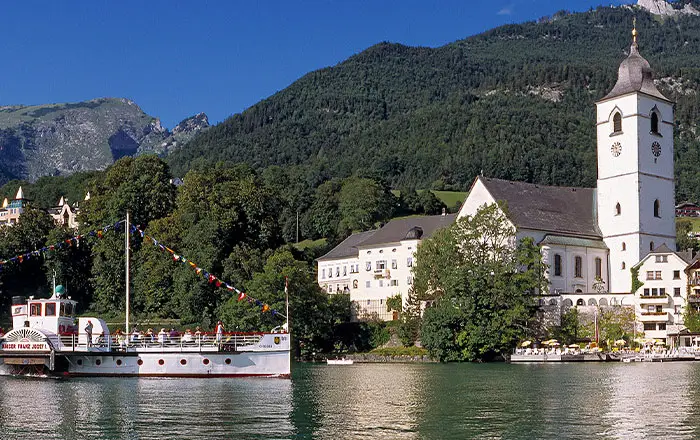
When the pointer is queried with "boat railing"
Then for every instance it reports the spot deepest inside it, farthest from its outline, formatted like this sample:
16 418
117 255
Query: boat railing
225 342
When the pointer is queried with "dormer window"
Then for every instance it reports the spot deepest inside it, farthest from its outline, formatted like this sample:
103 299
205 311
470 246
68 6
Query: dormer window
617 123
654 122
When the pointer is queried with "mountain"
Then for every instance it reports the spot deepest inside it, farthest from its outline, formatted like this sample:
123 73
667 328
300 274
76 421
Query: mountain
60 139
516 102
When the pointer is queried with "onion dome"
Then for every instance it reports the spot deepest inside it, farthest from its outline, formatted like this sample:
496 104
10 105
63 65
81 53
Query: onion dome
635 75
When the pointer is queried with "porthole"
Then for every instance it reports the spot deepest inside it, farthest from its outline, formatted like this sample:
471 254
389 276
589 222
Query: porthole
139 362
79 362
161 362
183 361
228 361
119 362
205 361
98 362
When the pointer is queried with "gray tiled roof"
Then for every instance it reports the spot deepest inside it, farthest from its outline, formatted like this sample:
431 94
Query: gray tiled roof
686 256
635 75
348 247
563 210
573 241
396 229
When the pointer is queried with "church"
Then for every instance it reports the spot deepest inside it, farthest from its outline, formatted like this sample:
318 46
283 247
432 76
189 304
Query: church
594 241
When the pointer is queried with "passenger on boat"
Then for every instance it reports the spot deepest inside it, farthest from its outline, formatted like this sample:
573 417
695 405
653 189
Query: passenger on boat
187 337
174 334
2 332
198 334
162 336
88 332
219 332
121 338
135 335
150 336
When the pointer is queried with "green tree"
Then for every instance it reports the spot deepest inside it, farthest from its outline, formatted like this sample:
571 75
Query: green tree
684 227
482 283
362 203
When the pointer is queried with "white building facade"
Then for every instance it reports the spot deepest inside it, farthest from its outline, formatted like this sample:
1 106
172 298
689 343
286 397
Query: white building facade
376 265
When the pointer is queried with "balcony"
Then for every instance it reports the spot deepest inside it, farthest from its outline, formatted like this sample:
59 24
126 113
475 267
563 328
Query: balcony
655 317
694 280
653 300
693 297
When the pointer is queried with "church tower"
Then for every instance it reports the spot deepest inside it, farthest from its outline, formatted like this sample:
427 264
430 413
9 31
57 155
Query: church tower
635 194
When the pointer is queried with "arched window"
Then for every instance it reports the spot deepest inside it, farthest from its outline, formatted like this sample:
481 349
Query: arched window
624 246
651 246
557 265
578 267
657 210
623 265
618 209
598 268
617 123
579 302
654 122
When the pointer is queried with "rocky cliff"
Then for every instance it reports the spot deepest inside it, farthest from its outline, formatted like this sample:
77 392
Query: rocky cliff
65 138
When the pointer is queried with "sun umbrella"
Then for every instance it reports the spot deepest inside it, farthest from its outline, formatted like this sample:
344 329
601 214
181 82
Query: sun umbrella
659 343
554 344
574 346
525 343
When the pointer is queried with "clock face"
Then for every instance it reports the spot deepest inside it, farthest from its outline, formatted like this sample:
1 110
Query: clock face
616 149
656 149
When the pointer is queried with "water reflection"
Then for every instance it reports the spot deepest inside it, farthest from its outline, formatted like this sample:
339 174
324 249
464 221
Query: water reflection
359 401
652 400
145 408
399 401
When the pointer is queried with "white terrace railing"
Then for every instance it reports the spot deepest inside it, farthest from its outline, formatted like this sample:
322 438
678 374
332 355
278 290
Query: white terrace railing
227 342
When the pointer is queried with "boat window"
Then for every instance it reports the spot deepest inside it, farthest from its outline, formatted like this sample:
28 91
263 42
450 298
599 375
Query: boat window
50 309
35 309
70 309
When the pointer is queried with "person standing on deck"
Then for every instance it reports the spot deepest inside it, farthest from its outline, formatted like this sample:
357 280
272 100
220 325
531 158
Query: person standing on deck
88 332
219 332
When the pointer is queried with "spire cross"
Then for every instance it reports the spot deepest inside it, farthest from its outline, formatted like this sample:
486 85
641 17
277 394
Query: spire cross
634 31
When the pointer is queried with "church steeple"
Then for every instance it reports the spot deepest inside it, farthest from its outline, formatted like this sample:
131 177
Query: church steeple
635 190
635 74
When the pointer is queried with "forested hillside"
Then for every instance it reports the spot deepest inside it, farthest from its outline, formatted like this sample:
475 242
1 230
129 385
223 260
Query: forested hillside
516 102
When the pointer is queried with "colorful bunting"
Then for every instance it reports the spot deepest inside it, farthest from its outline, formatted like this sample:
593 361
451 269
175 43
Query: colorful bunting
68 242
211 278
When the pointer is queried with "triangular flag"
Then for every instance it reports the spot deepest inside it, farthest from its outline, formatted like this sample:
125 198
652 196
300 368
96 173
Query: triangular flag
241 296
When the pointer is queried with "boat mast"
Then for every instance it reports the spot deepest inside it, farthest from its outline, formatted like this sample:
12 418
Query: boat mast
126 245
286 301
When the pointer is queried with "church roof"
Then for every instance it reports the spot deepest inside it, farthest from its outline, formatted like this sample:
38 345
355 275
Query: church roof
348 247
572 241
398 229
563 210
635 75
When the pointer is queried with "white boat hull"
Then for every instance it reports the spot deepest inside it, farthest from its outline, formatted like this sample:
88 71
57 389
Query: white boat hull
264 355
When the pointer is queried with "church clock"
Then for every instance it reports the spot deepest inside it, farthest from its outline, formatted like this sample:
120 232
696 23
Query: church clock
616 149
656 149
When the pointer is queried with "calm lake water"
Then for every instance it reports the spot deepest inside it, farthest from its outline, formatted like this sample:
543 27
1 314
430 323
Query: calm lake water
399 401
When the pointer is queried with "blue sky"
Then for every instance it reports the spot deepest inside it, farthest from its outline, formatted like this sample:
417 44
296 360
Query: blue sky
177 58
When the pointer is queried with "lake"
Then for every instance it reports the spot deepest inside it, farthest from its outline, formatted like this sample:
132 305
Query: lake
364 401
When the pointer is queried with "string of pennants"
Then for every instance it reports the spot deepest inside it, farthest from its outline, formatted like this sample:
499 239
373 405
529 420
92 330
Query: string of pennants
69 242
211 278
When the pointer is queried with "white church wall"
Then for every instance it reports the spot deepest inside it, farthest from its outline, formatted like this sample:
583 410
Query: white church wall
478 197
